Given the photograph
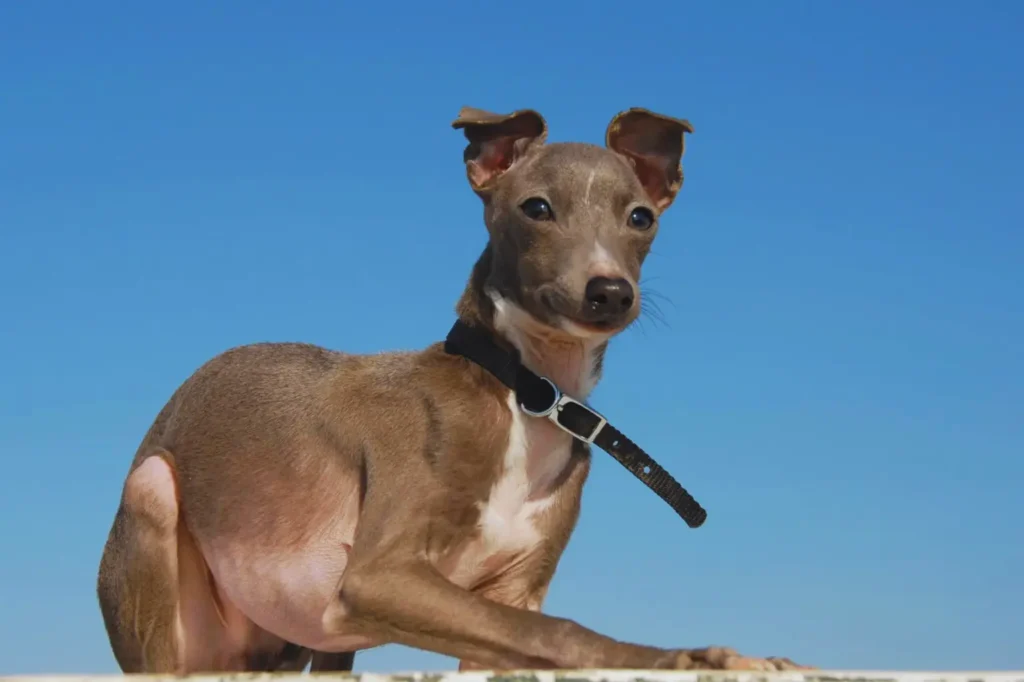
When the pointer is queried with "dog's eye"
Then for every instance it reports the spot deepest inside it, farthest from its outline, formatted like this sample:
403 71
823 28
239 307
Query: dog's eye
641 218
536 208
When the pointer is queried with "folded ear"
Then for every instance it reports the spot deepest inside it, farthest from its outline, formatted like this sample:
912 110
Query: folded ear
654 145
496 141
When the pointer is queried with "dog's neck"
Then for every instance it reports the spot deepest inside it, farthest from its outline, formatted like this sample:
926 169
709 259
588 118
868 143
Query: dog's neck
572 362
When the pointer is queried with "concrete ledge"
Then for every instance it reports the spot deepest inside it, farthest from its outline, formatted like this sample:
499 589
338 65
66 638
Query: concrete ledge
560 676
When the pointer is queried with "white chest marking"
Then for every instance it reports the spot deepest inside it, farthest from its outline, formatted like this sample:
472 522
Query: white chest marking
506 518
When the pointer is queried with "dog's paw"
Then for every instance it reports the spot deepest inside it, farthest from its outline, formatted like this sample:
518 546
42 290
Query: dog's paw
724 658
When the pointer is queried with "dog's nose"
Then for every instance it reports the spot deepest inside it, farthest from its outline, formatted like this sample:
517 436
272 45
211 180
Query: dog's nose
608 298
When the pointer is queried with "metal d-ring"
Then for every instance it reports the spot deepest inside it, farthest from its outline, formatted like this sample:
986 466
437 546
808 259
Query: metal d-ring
550 408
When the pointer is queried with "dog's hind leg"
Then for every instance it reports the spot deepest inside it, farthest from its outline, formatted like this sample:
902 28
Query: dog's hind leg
333 663
160 605
138 583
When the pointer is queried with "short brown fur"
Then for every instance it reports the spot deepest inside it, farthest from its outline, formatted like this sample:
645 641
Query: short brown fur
291 504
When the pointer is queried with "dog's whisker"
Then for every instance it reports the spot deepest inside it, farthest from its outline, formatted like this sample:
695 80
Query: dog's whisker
652 304
658 296
653 313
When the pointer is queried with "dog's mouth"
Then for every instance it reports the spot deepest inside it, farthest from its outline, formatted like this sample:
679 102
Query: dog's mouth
562 314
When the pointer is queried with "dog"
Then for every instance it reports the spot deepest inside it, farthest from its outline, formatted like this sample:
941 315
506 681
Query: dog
291 505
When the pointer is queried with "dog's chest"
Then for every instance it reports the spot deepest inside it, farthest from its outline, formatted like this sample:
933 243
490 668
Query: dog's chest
512 518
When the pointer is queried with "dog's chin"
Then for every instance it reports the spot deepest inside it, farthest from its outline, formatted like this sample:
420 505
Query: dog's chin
578 328
589 330
543 317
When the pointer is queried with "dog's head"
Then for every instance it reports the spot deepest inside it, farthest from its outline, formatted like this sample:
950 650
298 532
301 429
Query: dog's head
570 224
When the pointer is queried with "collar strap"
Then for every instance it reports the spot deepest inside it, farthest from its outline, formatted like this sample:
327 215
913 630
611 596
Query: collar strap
539 397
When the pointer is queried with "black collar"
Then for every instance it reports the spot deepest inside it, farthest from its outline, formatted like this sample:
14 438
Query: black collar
539 397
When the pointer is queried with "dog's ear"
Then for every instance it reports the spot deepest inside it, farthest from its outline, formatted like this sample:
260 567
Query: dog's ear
496 141
654 144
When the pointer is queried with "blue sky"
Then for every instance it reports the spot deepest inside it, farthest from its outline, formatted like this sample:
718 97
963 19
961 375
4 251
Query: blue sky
840 380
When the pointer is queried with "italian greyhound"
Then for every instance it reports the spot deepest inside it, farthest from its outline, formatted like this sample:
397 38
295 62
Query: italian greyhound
291 505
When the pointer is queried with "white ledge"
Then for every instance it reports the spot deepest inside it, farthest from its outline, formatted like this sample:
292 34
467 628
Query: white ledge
562 676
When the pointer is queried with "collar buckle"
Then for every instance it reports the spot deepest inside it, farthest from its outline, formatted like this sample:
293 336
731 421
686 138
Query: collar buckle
569 414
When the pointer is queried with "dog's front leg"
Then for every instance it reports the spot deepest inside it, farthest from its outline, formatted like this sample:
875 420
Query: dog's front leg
392 592
516 591
408 602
